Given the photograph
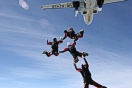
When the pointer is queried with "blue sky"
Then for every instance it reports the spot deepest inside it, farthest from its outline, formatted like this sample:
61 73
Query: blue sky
23 34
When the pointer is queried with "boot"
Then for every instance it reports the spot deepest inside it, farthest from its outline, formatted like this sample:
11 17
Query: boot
85 54
76 60
44 52
81 31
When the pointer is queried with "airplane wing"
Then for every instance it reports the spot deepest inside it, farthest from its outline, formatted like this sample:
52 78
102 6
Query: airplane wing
112 1
58 5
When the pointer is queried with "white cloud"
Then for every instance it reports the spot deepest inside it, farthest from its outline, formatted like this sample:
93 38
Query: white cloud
4 78
44 23
23 4
44 69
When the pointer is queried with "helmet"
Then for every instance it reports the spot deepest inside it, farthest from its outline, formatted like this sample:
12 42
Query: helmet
68 43
54 39
65 31
70 29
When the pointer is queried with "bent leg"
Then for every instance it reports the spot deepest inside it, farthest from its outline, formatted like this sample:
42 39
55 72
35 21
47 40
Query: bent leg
47 54
79 54
80 34
86 85
76 38
84 54
75 58
55 52
97 84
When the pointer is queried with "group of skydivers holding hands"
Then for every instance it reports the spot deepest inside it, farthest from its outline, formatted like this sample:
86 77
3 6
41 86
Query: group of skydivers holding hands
84 70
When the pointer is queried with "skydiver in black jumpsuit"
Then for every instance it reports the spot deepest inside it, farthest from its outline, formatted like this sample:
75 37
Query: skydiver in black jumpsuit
71 34
84 70
54 46
71 48
100 3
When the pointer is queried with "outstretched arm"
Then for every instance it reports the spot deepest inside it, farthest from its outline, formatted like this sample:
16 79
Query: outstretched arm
66 49
64 36
60 41
78 69
75 66
48 43
86 62
61 51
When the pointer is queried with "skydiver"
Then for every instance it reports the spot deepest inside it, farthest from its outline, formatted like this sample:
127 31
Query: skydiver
54 46
71 34
71 48
100 4
76 5
84 70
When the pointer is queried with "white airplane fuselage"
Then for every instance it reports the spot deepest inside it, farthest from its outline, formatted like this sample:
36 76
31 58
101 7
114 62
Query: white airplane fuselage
87 8
87 11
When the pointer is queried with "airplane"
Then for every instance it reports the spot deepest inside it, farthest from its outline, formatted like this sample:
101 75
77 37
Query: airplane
87 8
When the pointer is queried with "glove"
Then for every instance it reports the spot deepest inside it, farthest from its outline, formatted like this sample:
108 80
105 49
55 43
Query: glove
61 38
47 41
